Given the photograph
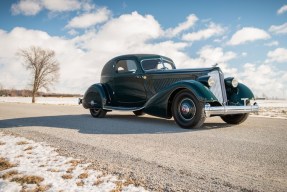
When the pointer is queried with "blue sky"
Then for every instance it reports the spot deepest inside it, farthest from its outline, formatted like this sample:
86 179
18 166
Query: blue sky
247 38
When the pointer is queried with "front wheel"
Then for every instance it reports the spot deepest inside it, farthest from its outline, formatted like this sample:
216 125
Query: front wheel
98 113
187 110
235 119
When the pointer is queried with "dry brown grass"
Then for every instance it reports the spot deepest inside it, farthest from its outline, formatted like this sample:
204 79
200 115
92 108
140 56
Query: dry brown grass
53 170
18 156
67 176
83 176
22 143
4 164
2 143
9 174
70 170
132 182
98 182
40 188
119 186
80 183
75 162
28 179
28 148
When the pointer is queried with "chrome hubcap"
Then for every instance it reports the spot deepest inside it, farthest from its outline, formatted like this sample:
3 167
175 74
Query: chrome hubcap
186 109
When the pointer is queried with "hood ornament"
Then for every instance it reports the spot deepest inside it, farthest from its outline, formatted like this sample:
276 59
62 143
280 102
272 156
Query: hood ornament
215 65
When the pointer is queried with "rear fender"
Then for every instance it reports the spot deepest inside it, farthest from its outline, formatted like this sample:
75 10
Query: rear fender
159 104
95 97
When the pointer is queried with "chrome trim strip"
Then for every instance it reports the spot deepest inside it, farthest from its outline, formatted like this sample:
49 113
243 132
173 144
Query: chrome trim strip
228 110
222 83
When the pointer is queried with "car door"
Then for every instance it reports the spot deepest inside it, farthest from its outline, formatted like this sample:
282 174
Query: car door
129 89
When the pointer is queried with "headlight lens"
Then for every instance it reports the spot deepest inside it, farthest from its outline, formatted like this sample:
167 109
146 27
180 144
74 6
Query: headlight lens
234 82
211 82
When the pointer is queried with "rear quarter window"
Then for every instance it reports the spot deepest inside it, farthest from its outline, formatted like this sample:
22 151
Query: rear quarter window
126 66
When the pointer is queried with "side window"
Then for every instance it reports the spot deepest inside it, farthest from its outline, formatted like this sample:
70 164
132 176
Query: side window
152 64
126 66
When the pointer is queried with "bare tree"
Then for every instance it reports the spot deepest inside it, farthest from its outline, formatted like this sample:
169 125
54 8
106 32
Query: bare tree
43 66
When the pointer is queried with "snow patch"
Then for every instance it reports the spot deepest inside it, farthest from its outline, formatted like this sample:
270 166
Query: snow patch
39 159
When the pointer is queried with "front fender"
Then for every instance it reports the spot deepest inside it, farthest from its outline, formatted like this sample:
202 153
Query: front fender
159 104
95 93
235 95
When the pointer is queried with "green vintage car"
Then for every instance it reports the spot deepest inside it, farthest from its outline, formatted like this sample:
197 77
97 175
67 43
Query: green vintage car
148 83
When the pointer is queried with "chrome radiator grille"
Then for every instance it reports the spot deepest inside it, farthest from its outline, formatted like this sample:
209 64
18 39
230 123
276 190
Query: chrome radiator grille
219 88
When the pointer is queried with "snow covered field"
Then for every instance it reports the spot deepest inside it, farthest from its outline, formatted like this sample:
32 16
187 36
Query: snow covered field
42 100
272 108
29 166
268 108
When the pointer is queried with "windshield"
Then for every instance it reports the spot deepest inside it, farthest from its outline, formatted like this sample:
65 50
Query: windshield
156 64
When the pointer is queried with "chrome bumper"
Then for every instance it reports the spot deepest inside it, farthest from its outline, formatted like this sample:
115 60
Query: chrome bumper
229 110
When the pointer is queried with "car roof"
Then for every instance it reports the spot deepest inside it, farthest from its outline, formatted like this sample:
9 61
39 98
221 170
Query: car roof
143 56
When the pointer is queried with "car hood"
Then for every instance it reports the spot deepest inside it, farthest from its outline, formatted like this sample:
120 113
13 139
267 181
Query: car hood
180 71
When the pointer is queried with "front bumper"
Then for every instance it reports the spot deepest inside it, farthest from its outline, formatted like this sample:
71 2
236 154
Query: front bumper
229 110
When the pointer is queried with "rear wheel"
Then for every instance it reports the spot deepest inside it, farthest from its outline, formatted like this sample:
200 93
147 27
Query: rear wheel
235 119
98 113
187 110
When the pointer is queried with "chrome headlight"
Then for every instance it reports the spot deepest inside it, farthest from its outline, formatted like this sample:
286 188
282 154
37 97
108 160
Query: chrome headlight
206 80
211 81
231 82
234 82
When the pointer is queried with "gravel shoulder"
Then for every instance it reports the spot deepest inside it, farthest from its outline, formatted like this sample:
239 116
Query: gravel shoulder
156 152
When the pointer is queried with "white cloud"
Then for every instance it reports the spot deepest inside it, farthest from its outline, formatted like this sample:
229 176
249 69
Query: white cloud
282 9
68 54
212 30
278 29
208 56
272 43
243 54
278 55
90 19
32 7
61 5
125 32
190 21
26 7
248 34
263 79
73 32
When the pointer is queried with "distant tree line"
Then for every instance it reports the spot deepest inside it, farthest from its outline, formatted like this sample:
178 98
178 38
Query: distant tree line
28 93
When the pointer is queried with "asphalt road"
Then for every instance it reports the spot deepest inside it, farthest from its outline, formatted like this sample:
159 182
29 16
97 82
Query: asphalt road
160 155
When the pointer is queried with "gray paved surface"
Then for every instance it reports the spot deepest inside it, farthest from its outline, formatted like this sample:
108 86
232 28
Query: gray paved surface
218 157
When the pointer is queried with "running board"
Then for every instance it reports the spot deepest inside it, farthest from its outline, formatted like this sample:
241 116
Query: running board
122 108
